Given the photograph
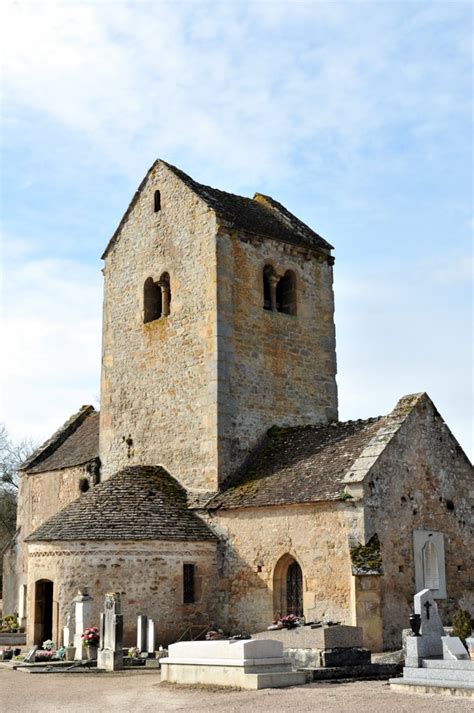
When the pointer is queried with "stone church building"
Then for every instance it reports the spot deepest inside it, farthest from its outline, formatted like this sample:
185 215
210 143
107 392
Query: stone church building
217 487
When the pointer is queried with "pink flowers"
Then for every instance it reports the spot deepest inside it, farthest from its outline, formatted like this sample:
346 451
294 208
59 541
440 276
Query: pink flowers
290 621
91 636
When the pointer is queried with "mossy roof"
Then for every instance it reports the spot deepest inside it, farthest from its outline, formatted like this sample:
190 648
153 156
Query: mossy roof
298 465
137 503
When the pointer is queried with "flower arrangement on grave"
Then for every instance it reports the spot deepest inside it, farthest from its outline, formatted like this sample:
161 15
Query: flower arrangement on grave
215 635
290 621
10 623
91 636
45 654
49 645
133 652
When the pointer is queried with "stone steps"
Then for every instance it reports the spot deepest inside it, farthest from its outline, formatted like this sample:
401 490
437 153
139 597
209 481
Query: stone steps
447 688
275 680
439 674
443 664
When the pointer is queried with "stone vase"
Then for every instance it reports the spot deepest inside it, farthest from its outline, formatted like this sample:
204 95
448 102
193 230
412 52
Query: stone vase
91 652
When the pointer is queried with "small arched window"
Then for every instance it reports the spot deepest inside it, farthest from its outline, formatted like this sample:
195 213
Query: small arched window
157 202
84 485
287 587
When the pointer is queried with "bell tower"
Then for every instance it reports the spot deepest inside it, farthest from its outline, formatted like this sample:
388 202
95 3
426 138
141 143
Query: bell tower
217 324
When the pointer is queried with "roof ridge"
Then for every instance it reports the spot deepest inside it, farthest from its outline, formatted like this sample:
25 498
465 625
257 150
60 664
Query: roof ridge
377 445
292 229
58 437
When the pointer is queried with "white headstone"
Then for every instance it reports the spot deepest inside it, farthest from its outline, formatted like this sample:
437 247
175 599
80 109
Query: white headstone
430 569
453 648
22 603
83 617
429 643
426 607
66 636
110 655
150 637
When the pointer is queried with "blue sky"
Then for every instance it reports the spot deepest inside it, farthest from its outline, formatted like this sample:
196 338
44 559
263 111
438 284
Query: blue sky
356 115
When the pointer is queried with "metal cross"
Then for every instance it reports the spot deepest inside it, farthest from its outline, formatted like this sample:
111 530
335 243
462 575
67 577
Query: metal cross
427 606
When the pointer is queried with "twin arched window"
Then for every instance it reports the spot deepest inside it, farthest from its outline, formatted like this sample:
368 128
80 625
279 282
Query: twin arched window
279 293
156 298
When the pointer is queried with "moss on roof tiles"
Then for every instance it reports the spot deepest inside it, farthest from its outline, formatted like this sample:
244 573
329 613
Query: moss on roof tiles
297 465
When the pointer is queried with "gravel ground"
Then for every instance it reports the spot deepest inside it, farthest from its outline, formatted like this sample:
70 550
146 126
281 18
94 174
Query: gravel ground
142 692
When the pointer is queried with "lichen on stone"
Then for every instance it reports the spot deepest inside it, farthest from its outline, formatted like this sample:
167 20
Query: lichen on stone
366 559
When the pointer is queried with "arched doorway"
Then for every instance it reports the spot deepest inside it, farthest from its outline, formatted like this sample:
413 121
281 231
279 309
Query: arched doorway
43 611
288 587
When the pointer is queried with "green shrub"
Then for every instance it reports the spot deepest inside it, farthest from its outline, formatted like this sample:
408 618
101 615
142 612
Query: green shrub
462 625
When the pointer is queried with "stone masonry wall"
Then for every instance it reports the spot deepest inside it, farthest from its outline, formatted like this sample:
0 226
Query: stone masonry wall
159 379
149 576
422 481
40 496
274 368
257 538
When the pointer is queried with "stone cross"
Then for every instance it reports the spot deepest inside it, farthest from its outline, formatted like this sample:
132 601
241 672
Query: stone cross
110 655
83 616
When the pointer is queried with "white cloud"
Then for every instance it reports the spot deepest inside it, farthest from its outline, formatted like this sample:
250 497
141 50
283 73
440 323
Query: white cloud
222 81
269 93
51 336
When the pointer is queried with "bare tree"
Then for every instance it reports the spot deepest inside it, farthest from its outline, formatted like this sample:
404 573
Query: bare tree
12 455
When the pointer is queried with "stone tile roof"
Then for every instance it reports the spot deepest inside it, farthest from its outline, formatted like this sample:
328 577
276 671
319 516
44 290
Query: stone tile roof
137 503
313 463
298 465
260 215
75 443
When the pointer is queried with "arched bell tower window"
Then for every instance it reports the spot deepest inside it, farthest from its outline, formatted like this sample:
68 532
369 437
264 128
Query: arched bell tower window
156 298
279 293
286 293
